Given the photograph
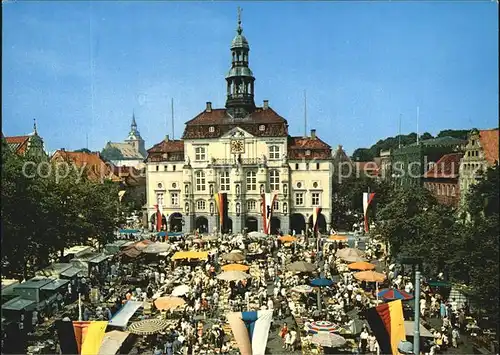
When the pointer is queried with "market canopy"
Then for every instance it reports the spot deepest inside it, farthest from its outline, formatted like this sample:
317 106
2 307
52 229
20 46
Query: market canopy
129 231
54 285
202 255
257 235
71 272
169 302
122 317
99 259
233 276
287 239
148 326
361 265
350 254
321 282
410 328
235 267
301 266
157 248
54 269
338 238
18 304
233 256
370 276
391 294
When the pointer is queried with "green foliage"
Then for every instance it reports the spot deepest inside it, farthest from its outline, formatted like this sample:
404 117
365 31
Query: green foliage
43 213
111 153
413 223
83 150
460 133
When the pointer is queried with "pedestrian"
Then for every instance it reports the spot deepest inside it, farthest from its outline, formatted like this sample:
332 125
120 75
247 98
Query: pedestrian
455 336
363 341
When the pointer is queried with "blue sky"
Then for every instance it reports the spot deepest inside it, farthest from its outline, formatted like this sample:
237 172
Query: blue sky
81 68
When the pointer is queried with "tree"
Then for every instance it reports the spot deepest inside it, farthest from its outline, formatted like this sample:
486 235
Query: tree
362 154
455 133
111 153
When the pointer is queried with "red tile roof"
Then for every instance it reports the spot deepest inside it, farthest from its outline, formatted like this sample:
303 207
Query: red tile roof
220 116
489 143
97 168
18 144
299 146
446 167
170 146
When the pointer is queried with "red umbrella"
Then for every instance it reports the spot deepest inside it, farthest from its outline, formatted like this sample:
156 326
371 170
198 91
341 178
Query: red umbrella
394 294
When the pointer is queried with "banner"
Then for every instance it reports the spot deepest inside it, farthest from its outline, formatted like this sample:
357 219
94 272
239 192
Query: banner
367 199
221 201
251 330
159 217
316 213
268 200
81 337
387 323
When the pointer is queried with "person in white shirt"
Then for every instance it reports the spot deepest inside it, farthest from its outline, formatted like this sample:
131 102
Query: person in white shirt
363 340
270 304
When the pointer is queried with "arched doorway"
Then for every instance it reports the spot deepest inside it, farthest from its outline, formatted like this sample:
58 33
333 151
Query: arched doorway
228 226
321 223
152 222
251 224
275 225
175 222
201 224
297 223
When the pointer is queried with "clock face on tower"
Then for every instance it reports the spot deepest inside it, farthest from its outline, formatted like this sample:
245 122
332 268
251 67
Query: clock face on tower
237 146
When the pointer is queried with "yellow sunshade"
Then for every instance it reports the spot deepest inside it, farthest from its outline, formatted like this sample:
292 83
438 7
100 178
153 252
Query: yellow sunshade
203 255
369 276
361 265
235 267
338 238
287 238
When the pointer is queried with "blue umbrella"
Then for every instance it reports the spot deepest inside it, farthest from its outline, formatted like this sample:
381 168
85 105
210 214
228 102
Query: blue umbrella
129 231
162 234
321 282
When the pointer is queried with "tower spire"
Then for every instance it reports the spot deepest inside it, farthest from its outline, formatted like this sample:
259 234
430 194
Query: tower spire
239 29
240 79
133 126
34 126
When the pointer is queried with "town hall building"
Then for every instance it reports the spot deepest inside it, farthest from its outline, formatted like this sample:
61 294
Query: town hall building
243 150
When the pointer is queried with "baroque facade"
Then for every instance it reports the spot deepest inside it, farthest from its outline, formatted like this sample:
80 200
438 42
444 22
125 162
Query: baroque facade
480 153
244 151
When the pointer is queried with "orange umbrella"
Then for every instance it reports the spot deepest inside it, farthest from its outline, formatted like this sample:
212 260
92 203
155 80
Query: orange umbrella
370 276
165 303
235 267
361 265
338 238
287 238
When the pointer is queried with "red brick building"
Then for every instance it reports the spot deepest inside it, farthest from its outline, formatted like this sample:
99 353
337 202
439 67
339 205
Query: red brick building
442 179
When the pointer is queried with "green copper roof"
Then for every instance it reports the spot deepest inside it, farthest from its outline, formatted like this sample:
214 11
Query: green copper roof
239 71
239 41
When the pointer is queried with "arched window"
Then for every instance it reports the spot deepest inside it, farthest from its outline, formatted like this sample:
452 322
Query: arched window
200 181
276 206
274 180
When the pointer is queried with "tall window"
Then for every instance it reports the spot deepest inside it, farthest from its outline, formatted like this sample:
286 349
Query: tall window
200 205
199 154
315 199
251 181
299 198
174 199
274 152
159 199
200 181
276 206
274 180
251 205
224 181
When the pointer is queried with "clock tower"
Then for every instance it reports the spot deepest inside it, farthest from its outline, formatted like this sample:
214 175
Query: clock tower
240 79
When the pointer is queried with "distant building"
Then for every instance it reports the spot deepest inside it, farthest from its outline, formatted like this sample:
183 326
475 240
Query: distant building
133 185
385 164
442 179
133 151
343 166
481 152
29 145
367 168
409 163
96 169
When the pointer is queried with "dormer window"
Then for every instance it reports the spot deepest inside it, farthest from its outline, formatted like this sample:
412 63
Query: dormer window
262 128
308 152
211 129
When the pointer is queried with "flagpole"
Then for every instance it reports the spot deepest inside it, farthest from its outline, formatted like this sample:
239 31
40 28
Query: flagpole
416 329
79 307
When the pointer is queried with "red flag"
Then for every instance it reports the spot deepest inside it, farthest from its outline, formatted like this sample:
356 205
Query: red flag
367 199
159 218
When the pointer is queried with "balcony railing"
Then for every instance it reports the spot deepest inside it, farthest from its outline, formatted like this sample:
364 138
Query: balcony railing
230 162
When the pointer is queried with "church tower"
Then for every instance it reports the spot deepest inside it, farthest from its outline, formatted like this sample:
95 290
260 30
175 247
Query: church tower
134 138
240 79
